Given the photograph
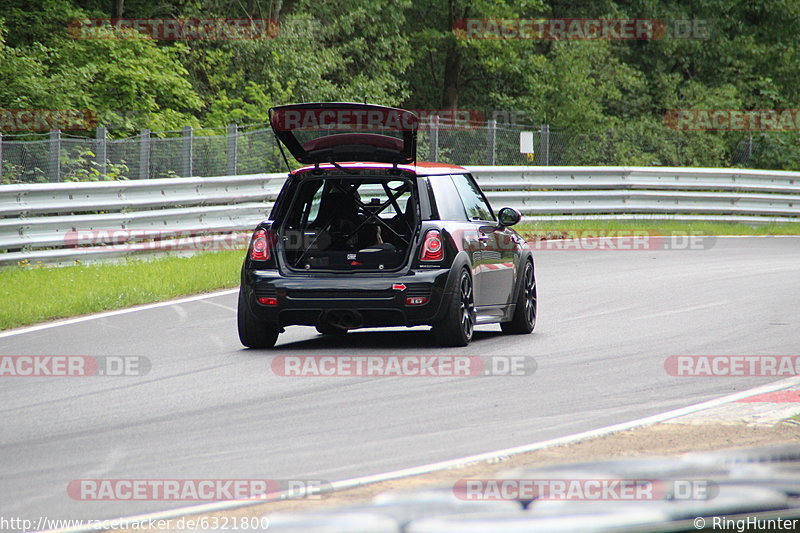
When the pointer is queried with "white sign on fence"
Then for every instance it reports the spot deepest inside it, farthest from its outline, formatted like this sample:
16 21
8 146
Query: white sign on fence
526 142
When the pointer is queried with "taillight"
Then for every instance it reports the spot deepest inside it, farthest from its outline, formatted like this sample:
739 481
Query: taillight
260 245
432 247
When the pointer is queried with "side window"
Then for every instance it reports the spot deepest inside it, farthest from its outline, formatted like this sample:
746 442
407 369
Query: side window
448 203
475 204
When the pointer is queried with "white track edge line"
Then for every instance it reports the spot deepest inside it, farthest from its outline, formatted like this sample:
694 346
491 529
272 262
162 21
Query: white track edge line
452 463
115 312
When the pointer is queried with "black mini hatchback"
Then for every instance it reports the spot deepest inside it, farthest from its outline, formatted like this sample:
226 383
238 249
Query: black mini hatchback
365 236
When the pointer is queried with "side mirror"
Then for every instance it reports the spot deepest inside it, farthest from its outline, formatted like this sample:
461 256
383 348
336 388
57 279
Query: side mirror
508 216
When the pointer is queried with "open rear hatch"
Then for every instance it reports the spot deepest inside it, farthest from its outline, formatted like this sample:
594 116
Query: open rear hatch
336 132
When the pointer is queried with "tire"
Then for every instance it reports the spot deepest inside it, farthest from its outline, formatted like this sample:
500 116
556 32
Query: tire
327 329
458 324
254 333
524 319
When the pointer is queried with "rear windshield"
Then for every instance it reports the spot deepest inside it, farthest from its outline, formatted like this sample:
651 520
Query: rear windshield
349 223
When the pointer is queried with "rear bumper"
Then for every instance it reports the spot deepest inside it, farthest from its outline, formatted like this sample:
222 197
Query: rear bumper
371 301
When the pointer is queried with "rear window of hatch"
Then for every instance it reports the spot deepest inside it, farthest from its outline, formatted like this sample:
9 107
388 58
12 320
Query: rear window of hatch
335 222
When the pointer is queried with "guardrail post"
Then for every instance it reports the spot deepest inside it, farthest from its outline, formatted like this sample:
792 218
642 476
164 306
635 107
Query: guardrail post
434 148
188 134
544 144
233 138
491 141
144 155
54 167
101 153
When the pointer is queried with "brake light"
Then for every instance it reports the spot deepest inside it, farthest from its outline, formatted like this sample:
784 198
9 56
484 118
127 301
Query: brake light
432 248
260 245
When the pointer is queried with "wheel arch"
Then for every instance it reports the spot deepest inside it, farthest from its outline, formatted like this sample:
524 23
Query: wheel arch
460 262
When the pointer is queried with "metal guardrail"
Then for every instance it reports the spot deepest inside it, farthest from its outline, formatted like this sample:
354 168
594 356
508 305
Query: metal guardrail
630 193
44 222
59 222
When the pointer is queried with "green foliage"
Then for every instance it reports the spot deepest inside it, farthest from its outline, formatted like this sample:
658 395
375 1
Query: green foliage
610 96
84 167
127 83
13 173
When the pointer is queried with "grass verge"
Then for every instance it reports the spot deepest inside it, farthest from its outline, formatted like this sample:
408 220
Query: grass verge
37 293
32 294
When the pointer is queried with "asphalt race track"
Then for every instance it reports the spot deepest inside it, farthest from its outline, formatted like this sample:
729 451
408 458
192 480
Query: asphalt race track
209 408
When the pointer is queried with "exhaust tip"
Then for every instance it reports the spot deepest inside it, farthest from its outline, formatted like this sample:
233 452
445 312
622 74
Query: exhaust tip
344 319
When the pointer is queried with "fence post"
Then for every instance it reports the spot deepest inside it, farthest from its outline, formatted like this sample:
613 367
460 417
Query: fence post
749 148
144 155
544 141
188 134
54 168
233 140
434 148
1 155
491 141
101 153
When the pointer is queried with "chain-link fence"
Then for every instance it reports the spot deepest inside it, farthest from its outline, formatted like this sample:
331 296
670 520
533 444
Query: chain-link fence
54 157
